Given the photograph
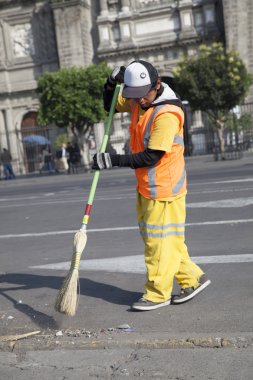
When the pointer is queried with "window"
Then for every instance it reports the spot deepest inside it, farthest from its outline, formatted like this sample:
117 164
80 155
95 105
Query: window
198 17
104 33
126 30
187 19
209 15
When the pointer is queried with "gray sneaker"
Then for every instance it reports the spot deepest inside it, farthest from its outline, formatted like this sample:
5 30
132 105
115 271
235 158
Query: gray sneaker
144 304
187 294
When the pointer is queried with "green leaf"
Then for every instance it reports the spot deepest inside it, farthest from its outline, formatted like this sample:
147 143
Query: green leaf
73 96
214 80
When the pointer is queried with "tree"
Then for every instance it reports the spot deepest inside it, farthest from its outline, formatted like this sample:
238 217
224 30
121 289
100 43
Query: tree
214 81
239 125
62 138
72 97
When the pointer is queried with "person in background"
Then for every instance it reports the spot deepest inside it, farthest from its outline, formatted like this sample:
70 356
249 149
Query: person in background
70 152
6 160
74 157
76 160
47 159
157 156
62 159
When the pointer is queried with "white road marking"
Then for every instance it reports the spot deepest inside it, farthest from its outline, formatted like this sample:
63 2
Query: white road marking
112 229
128 195
67 193
135 264
10 199
221 191
76 200
239 180
224 203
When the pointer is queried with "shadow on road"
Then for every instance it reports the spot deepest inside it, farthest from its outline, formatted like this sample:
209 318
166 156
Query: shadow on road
90 288
42 320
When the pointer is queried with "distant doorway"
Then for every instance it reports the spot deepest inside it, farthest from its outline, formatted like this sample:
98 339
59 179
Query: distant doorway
29 121
28 127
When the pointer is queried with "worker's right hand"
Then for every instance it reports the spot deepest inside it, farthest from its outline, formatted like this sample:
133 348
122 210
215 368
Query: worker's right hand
102 161
117 76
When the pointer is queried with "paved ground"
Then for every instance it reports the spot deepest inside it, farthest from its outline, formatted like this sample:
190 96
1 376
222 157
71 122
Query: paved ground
208 338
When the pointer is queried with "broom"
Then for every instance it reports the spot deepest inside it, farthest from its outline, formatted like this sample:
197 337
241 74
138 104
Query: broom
66 301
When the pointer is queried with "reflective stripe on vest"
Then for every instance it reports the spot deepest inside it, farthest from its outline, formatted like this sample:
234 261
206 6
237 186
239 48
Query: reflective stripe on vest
147 132
180 183
152 182
178 140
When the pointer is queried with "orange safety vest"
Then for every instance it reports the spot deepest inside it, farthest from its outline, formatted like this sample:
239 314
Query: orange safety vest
167 178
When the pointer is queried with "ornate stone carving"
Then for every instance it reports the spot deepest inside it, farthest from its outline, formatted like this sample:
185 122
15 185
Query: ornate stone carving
22 40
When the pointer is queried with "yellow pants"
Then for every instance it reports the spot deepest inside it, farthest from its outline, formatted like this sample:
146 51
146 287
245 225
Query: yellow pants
162 225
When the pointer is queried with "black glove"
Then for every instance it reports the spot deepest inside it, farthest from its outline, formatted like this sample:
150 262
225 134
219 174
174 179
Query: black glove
117 76
102 161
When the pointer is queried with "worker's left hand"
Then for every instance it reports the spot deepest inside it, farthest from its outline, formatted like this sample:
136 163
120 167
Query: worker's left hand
102 161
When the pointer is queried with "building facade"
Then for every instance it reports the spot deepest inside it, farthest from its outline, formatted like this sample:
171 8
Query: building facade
39 36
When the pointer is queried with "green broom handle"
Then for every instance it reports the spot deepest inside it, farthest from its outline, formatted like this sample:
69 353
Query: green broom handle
101 150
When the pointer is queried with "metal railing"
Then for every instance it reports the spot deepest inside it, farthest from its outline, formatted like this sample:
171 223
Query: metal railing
203 140
27 158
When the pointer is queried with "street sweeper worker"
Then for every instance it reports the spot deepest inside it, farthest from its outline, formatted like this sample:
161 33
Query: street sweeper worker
157 156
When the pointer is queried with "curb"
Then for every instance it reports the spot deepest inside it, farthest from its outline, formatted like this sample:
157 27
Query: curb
52 342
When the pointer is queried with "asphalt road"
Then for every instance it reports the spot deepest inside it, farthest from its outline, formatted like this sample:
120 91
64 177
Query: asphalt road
38 218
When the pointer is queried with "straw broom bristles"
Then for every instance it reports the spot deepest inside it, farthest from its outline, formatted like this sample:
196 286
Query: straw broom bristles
66 301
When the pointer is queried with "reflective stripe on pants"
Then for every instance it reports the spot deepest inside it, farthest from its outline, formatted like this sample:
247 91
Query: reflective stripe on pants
161 226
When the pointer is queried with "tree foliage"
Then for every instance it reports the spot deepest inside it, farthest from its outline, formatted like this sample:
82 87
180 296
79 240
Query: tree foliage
241 123
72 97
62 138
215 81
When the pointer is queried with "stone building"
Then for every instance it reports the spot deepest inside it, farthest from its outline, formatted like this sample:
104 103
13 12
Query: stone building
43 35
158 31
238 25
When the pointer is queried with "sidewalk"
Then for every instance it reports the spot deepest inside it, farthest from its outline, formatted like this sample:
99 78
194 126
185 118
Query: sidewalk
208 161
192 163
